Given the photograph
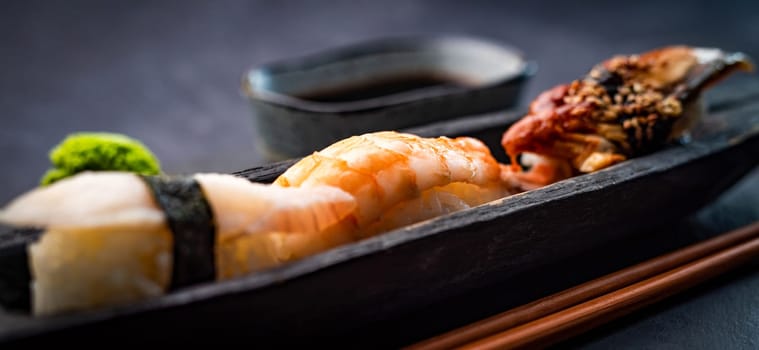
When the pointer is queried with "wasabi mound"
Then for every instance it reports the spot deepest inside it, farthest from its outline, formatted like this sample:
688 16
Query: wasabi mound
99 151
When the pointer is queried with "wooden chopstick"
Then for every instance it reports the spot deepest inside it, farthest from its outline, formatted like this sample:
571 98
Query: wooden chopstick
702 255
577 319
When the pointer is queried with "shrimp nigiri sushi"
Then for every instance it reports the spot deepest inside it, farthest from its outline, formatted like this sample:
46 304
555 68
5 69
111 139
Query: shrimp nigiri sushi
112 238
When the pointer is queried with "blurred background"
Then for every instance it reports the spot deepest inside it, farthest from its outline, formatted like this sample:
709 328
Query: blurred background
169 72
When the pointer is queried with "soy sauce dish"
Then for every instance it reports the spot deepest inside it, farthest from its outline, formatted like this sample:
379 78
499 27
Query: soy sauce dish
303 104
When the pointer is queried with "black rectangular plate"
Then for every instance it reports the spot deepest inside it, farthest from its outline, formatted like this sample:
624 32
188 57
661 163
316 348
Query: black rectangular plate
406 269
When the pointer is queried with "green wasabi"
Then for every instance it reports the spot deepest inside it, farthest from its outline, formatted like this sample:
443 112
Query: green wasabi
99 151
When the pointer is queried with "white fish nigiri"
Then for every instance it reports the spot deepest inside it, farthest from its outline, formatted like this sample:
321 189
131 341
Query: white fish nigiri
106 241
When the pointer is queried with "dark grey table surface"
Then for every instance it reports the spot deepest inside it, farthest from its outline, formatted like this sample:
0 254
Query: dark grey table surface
168 73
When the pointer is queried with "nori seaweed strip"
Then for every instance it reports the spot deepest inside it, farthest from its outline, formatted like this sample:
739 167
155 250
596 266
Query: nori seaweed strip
191 222
15 274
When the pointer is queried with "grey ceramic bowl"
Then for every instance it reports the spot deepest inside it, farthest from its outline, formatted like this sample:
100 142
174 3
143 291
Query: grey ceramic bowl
304 104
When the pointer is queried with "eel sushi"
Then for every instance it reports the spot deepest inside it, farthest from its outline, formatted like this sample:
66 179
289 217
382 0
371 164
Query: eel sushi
625 107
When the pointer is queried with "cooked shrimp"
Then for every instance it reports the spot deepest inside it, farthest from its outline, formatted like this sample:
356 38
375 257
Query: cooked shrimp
387 171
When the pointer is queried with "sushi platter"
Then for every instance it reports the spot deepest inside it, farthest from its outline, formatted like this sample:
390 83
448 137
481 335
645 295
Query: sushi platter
401 270
386 275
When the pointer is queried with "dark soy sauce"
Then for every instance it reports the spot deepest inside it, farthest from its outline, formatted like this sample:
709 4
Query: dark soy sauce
380 87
